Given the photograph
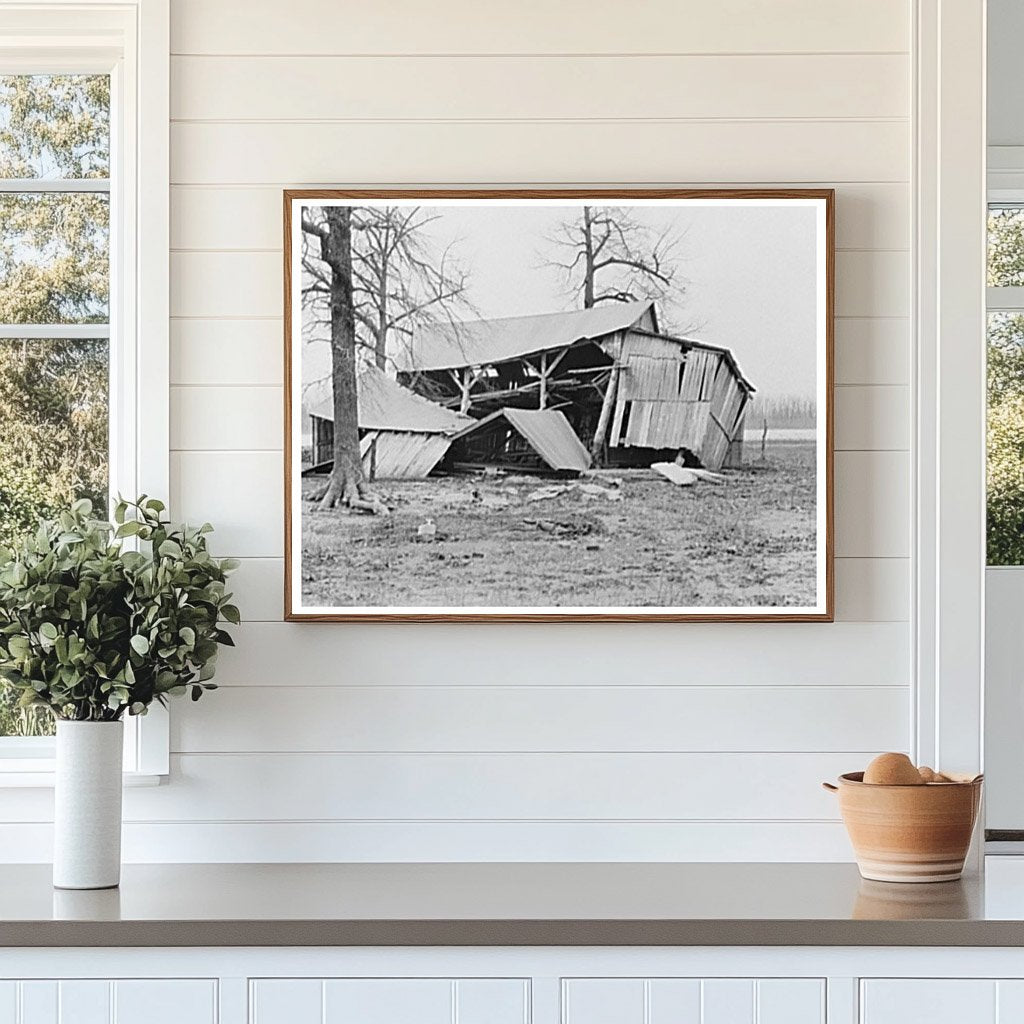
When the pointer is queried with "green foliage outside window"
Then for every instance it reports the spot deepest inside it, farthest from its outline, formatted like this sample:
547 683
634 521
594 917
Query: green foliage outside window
1005 484
54 269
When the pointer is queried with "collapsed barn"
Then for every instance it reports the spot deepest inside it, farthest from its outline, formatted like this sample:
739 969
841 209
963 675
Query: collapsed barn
631 394
551 393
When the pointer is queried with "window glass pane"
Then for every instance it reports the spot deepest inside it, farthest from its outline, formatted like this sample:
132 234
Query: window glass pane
1005 246
1005 439
54 257
53 449
54 126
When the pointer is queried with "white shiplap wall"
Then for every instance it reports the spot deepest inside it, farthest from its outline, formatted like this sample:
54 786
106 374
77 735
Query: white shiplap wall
684 741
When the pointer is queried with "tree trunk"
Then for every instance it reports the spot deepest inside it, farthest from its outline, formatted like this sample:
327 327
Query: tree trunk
381 347
347 482
588 253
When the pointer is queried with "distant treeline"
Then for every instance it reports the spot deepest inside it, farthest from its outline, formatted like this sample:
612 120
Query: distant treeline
781 411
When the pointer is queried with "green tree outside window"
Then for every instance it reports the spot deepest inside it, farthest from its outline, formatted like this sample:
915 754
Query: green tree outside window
54 271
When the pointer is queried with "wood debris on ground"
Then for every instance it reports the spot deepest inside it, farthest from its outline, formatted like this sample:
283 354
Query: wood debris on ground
685 476
589 491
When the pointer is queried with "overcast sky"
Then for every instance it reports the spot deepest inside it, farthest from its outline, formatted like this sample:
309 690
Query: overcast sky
749 273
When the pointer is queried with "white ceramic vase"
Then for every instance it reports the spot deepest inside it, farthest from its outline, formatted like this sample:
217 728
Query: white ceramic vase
87 808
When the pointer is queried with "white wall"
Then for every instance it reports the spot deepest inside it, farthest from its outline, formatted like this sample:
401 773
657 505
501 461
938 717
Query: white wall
686 741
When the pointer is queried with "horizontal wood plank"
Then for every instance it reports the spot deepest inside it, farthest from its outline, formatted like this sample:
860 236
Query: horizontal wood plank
223 88
872 590
872 504
872 350
231 284
227 418
533 26
241 493
872 418
629 719
875 284
446 786
758 654
572 152
221 352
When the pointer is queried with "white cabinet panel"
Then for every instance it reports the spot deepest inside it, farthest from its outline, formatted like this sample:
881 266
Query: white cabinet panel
693 1001
100 1001
8 1002
790 1001
84 1002
728 1001
285 1001
389 1001
674 1000
492 1001
1009 1002
603 1001
929 1001
165 1002
39 1002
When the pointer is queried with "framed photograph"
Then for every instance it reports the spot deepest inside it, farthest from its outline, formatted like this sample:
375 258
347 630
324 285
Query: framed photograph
567 405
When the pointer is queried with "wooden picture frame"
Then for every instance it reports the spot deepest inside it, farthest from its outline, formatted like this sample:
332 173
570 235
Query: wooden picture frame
492 429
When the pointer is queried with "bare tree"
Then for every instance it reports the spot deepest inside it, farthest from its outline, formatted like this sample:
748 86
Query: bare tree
399 282
347 483
608 255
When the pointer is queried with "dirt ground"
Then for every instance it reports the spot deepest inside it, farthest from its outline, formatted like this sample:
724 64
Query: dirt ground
522 541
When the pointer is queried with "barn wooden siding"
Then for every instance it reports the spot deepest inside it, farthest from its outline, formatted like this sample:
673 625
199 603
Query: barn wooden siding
725 422
675 397
401 455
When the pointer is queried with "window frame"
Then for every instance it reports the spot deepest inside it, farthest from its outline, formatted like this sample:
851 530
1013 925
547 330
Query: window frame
130 41
1004 298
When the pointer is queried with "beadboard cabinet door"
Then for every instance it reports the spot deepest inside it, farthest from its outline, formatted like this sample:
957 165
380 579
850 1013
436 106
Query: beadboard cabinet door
388 1001
933 1001
693 1001
96 1001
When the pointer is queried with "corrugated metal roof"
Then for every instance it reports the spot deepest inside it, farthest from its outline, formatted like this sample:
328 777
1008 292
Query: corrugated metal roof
386 405
548 433
479 342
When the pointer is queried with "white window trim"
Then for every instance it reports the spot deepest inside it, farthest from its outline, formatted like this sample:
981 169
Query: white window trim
1003 719
949 445
131 41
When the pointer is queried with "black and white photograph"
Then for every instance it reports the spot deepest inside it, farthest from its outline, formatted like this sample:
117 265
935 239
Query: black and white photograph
559 405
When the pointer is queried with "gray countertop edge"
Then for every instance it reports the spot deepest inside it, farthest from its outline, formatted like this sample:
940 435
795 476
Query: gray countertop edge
255 933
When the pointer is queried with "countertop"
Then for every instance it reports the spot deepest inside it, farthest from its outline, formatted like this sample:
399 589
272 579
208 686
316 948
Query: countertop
510 904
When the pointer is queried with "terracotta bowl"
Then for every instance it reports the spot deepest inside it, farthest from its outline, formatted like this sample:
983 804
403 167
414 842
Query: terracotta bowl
909 833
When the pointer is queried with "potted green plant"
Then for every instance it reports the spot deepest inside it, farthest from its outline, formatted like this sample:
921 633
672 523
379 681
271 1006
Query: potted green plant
99 620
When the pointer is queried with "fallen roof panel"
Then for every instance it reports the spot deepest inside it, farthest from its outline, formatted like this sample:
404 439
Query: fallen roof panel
547 431
385 405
